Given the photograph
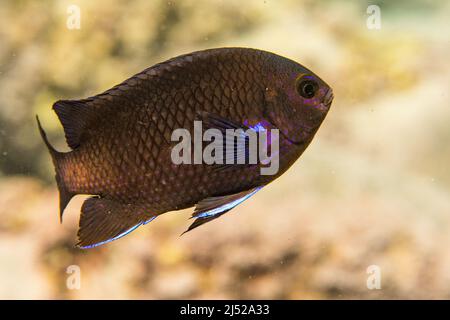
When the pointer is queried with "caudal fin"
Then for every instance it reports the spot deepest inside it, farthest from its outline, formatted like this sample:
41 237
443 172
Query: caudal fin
64 194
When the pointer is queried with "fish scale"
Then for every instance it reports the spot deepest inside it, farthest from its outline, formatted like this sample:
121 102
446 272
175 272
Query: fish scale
121 139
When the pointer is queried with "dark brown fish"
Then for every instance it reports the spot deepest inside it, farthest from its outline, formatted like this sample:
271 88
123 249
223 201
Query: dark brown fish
121 139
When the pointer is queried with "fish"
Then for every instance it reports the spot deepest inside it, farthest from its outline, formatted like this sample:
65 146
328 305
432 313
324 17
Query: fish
121 141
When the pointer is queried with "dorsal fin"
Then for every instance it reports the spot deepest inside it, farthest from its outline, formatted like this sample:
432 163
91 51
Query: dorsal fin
75 116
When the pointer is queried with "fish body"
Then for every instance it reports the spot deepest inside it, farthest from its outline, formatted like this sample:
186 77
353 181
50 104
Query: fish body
121 140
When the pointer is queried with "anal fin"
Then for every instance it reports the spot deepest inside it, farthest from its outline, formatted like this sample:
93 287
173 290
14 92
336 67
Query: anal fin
213 207
103 220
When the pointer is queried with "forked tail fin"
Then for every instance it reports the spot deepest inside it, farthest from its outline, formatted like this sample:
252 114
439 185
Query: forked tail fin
64 194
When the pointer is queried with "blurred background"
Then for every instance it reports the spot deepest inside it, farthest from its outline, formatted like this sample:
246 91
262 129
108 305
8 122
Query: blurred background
372 189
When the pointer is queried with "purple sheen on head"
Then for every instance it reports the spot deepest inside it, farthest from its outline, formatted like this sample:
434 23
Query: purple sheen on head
292 96
309 77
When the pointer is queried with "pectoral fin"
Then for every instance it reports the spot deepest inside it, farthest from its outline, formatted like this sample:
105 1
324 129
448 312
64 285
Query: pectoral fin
213 207
237 140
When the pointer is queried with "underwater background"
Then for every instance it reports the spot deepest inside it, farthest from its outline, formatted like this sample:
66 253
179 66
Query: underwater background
373 188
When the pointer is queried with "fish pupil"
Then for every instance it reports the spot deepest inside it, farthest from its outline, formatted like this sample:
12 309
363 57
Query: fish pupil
307 89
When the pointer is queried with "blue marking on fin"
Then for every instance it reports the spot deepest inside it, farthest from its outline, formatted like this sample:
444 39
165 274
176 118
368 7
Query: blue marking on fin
120 235
112 239
150 220
227 206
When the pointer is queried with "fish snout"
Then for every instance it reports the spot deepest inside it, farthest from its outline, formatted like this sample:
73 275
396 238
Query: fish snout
325 105
328 99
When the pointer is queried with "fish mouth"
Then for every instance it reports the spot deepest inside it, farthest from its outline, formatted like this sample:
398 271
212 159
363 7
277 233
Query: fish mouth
328 99
325 105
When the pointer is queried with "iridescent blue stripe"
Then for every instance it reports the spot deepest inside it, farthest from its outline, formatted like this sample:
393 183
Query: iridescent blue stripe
227 206
120 235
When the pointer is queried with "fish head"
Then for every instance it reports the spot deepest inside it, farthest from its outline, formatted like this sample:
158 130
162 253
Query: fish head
297 100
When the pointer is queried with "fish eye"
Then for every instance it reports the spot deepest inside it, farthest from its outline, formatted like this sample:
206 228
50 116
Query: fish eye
307 88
